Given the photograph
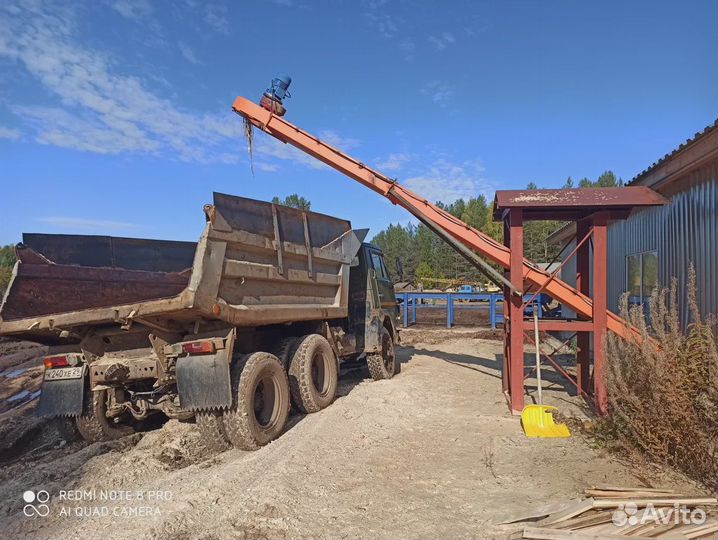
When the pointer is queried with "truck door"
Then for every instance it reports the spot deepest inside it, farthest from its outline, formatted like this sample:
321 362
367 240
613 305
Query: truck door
384 285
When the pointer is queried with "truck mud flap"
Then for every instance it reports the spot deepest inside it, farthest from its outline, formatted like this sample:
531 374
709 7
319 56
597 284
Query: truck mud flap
61 398
203 382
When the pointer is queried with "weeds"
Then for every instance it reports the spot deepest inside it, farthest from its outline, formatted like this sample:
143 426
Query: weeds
664 401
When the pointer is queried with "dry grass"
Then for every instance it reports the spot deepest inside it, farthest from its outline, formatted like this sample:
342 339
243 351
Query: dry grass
249 136
664 402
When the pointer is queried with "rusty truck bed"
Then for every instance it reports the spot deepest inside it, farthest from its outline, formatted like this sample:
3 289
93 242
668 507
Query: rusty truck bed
255 263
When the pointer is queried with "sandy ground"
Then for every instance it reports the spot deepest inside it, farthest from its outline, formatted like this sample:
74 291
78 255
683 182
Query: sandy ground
431 453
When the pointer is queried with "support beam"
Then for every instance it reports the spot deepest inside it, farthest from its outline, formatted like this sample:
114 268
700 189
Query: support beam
515 316
548 325
600 314
505 375
583 339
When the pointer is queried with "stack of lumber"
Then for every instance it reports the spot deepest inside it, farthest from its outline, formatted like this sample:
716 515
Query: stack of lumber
592 518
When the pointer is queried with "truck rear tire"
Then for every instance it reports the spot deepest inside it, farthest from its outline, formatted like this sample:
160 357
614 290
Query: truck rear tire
382 365
284 349
211 429
260 401
94 425
313 374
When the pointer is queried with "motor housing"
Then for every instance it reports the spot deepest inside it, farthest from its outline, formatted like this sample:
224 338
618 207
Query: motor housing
273 96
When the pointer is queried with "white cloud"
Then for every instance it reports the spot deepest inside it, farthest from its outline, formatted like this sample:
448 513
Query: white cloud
9 133
440 93
446 181
215 16
132 9
408 47
266 167
99 108
379 18
188 53
82 223
342 143
393 162
270 147
442 41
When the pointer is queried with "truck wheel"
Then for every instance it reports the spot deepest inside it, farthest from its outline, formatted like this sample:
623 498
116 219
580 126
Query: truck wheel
211 429
382 365
284 349
94 426
313 374
260 401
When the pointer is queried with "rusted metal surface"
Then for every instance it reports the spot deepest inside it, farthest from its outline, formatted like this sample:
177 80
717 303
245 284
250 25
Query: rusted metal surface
572 204
41 289
255 264
112 252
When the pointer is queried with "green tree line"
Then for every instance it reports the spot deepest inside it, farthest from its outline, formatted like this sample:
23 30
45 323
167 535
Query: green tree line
425 257
7 261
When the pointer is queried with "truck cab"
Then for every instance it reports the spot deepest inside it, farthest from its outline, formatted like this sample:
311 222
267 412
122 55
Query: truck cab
373 309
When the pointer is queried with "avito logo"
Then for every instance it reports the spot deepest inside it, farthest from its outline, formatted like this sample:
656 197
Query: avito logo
39 508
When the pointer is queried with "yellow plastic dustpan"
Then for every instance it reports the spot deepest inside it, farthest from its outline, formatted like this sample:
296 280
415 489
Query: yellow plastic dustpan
537 419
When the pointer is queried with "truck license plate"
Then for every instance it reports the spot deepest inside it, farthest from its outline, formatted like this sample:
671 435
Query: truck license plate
64 373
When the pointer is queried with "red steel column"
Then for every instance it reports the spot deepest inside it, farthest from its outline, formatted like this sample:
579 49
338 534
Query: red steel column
600 314
583 339
505 375
516 312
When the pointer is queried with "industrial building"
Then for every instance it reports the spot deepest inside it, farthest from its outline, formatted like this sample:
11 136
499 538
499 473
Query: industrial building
656 244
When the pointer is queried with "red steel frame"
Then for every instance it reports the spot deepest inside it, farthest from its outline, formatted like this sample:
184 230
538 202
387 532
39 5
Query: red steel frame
509 256
516 330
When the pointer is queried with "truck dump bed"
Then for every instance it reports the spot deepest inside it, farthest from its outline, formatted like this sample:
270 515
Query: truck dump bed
256 263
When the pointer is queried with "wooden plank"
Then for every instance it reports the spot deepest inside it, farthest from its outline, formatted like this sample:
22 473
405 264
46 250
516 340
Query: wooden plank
604 494
696 531
540 533
697 501
573 510
537 512
602 487
587 519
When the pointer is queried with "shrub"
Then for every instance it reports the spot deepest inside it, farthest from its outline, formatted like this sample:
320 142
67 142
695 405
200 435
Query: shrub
664 401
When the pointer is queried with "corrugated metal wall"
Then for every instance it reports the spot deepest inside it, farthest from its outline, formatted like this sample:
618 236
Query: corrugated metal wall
684 231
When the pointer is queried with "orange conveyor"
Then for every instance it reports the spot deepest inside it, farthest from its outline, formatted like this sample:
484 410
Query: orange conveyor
424 210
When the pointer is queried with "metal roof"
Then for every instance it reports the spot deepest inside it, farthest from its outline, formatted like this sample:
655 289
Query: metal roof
574 203
689 142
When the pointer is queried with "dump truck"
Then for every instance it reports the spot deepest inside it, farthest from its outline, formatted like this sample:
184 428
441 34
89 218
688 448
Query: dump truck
231 330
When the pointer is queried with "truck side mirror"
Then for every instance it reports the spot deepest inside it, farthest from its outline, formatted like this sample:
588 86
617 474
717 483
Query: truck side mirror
399 269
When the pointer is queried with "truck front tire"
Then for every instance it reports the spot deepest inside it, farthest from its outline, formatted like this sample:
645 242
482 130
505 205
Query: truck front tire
383 364
313 374
260 401
94 425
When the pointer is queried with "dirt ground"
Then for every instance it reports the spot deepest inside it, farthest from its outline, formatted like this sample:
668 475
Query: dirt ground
431 453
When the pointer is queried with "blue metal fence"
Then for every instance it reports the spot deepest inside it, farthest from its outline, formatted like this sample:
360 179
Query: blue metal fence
493 302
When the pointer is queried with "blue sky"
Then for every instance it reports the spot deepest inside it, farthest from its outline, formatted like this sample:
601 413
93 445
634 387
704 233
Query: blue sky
115 115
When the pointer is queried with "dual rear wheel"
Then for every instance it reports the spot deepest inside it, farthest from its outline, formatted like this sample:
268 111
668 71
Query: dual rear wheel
303 371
